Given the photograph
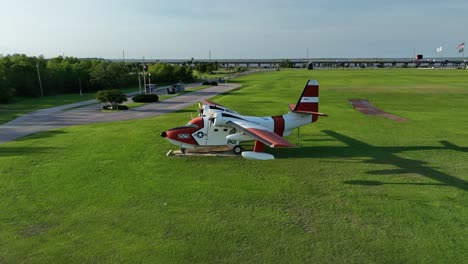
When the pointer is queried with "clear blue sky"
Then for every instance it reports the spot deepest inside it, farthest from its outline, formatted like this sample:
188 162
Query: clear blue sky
232 29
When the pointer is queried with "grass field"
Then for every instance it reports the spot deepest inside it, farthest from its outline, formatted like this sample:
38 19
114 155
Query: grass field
187 90
22 106
25 105
359 189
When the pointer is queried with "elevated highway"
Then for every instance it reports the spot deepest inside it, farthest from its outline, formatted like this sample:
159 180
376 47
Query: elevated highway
448 62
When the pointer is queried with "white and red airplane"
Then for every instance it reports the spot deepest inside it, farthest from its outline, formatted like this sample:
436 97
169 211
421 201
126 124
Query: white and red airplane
217 125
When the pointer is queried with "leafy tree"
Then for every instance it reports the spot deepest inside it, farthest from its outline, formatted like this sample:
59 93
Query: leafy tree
163 72
204 67
18 75
22 75
109 75
6 93
112 97
286 64
58 75
184 73
81 74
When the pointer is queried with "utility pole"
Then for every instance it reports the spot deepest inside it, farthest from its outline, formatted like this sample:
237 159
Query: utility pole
209 54
39 77
79 81
149 82
123 55
139 76
144 75
139 81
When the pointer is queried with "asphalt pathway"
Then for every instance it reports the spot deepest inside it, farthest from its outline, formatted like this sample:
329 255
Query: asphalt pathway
89 112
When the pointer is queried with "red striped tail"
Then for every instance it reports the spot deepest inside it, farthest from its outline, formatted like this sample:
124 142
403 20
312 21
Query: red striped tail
309 101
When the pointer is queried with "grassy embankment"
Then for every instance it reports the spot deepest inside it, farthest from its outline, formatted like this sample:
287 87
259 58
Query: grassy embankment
22 106
360 189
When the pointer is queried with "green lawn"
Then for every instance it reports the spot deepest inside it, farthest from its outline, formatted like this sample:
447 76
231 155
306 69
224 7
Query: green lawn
22 106
222 73
25 105
359 189
187 90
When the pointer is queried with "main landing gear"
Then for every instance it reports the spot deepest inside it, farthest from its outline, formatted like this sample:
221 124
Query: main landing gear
237 149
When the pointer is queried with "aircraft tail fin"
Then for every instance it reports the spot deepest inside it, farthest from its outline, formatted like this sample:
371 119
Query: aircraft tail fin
309 101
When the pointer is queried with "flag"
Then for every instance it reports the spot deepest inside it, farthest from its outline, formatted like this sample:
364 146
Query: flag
461 47
439 50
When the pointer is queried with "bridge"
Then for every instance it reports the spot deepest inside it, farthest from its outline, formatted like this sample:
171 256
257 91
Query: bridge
448 62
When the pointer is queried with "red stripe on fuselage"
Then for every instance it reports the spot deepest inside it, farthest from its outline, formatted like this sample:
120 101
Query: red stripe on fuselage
279 125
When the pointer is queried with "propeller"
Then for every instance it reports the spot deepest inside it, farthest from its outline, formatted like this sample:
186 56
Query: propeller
212 118
204 110
200 110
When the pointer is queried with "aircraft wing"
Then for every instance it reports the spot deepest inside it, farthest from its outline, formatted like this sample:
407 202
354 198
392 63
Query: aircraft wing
217 107
206 102
261 134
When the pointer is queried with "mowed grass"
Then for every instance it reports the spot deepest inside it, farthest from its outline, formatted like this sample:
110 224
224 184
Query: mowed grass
21 106
359 189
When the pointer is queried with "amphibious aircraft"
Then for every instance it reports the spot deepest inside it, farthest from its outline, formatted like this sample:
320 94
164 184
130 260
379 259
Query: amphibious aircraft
217 125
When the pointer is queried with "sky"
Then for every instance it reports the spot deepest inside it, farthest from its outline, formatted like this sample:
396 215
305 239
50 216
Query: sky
182 29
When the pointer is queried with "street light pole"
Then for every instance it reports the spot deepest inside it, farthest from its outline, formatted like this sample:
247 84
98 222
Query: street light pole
81 91
139 81
149 82
144 78
39 77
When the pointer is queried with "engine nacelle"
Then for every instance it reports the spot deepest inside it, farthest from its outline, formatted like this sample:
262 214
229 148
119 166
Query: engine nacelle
239 137
219 120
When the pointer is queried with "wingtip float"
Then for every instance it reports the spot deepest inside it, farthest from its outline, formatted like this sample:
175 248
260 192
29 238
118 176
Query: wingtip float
217 125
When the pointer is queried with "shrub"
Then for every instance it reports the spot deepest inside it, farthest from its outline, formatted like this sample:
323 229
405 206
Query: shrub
145 98
113 97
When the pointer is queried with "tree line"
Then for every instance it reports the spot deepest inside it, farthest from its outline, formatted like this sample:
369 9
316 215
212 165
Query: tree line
25 76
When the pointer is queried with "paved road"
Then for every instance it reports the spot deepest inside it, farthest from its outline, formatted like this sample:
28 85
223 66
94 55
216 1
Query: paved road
57 117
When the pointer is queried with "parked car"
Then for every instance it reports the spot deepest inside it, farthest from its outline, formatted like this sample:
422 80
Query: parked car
214 83
205 83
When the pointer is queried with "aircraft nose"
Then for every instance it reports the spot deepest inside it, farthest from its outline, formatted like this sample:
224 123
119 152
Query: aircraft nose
163 134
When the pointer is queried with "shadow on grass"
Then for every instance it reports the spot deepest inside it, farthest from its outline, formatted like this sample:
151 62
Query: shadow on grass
22 151
378 183
380 155
46 134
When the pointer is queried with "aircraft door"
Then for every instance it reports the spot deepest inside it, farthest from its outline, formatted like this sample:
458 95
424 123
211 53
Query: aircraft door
206 130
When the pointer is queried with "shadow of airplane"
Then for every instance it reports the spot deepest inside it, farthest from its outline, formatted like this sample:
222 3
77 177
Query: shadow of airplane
378 183
381 155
